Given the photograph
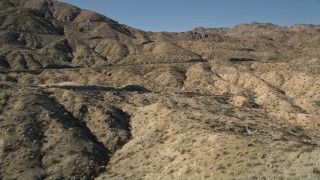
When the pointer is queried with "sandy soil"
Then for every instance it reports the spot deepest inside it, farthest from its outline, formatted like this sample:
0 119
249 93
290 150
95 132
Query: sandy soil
83 97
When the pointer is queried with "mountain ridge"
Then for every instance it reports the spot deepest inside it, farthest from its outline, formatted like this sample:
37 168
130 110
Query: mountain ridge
84 97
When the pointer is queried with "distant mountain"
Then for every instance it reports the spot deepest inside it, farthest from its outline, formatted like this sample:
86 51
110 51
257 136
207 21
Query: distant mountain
85 97
45 34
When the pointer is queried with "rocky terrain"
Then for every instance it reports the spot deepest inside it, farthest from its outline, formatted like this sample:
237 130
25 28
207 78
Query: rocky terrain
84 97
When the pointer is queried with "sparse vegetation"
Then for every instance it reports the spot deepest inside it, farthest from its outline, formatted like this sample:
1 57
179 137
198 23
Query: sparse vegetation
84 97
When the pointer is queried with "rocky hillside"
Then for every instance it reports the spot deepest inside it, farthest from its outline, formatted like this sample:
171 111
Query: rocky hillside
49 34
84 97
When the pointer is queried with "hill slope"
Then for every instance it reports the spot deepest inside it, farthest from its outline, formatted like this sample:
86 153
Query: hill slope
84 97
60 35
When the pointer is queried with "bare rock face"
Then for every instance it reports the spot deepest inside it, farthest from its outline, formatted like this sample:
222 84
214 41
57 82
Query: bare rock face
84 97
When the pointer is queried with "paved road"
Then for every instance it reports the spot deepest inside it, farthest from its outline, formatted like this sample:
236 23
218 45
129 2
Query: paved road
38 71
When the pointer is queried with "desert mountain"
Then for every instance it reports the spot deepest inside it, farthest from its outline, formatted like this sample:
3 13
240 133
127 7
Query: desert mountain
45 34
84 97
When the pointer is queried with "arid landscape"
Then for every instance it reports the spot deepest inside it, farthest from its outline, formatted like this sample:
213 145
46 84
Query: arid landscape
84 97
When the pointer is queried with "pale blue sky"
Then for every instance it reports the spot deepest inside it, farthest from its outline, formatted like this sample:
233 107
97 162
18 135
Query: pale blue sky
183 15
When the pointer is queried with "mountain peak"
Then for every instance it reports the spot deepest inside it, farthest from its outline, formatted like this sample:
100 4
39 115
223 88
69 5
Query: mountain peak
84 97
